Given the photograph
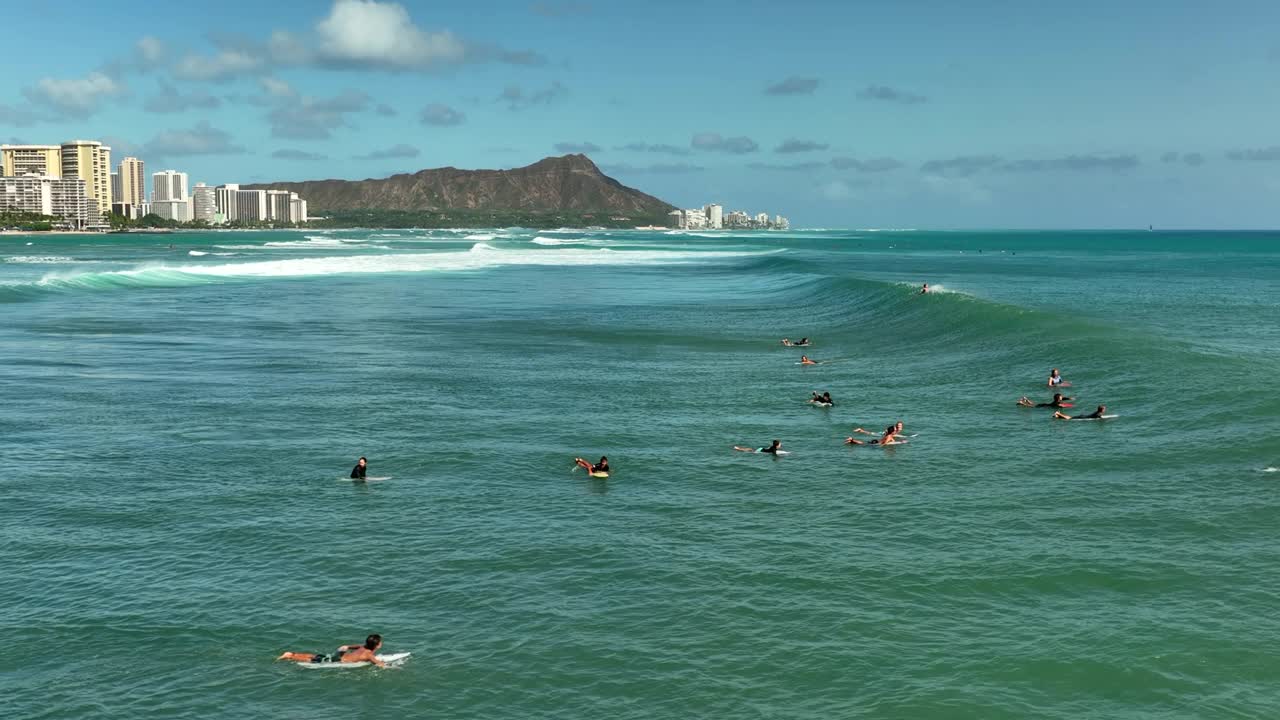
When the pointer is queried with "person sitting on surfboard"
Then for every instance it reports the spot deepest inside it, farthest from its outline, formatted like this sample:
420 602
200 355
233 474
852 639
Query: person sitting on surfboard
362 467
344 654
804 360
600 467
1056 380
772 449
1095 415
1058 401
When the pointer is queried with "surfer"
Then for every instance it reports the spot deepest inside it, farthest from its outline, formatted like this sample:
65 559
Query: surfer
344 654
925 290
1056 380
1095 415
804 360
889 437
823 399
802 342
600 467
1058 401
772 449
362 467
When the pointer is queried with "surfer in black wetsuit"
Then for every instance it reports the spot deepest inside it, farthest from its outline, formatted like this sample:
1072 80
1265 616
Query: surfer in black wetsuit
362 467
1058 401
772 449
1095 415
804 342
925 290
602 466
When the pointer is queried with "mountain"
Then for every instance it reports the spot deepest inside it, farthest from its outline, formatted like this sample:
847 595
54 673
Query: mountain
569 183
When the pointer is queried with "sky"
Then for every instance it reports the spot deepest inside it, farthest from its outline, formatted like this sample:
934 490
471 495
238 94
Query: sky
913 114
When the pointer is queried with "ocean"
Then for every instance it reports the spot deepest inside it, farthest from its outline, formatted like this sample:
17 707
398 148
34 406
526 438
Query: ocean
181 413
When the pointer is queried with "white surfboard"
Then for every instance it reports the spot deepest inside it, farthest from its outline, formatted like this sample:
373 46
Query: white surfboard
371 478
390 659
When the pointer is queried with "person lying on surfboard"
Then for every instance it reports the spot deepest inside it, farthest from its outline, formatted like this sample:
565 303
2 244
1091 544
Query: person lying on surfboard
600 467
1095 415
1058 401
344 654
823 399
890 437
1056 380
802 342
804 360
362 467
772 449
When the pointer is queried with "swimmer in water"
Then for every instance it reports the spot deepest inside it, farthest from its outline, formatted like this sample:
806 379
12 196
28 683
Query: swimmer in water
1056 380
1058 401
602 466
804 360
362 467
1095 415
345 654
772 449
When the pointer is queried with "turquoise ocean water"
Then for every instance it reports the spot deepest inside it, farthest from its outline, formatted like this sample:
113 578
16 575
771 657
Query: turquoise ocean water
176 423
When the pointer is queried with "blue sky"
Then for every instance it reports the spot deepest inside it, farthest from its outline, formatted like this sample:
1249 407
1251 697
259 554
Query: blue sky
925 114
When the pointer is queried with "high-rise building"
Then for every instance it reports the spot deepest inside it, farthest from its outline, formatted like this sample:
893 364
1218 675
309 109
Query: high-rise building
203 204
168 186
715 216
278 206
762 219
179 210
19 160
133 181
676 218
251 206
90 161
224 197
115 188
63 198
297 209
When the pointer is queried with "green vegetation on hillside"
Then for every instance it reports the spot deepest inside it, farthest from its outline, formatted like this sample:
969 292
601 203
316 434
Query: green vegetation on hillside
477 218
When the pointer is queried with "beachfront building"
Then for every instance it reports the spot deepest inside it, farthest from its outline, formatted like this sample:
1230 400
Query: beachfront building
176 210
278 206
63 198
133 182
251 206
168 186
19 160
203 205
715 216
224 200
90 161
297 209
780 223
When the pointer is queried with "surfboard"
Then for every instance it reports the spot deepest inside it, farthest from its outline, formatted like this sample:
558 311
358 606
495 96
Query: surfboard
599 474
820 404
780 452
1104 417
370 478
390 659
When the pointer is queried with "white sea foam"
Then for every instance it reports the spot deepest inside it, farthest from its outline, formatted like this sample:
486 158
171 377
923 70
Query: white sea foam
480 236
480 256
197 253
39 259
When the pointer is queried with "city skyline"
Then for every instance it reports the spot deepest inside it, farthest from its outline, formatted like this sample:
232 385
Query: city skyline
850 115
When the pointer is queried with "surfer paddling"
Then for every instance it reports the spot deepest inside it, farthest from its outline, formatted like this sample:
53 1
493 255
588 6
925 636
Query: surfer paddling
802 342
1058 401
804 360
823 400
600 467
773 449
1098 414
360 470
888 437
344 654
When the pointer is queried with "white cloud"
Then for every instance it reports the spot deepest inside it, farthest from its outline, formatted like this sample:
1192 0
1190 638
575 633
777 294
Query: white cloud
203 139
76 97
228 63
366 32
150 49
277 88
